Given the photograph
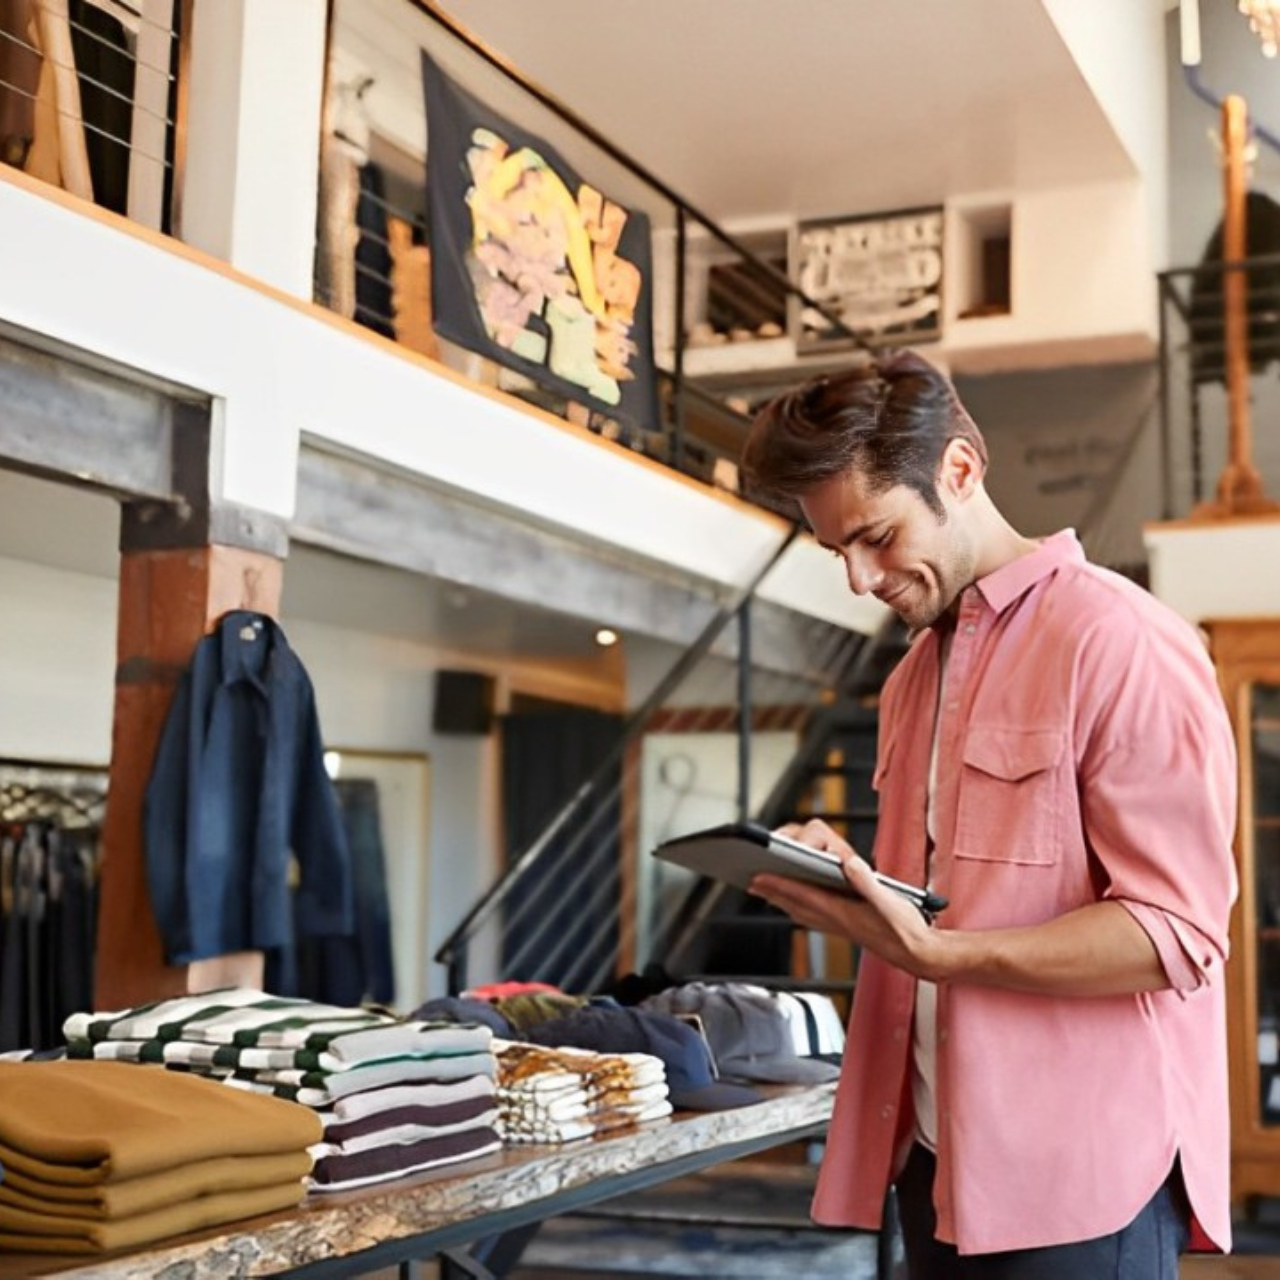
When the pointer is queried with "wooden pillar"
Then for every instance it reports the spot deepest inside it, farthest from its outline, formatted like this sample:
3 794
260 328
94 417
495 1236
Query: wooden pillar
1240 486
169 599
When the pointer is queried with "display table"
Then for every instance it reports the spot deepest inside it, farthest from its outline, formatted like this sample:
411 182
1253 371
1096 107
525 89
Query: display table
353 1232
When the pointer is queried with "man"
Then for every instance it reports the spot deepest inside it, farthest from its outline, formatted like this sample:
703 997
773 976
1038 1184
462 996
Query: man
1041 1070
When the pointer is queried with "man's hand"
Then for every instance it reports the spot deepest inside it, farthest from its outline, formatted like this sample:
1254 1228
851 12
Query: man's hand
877 918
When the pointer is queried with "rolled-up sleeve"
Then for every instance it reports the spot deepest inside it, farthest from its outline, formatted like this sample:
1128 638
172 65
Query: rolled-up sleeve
1159 801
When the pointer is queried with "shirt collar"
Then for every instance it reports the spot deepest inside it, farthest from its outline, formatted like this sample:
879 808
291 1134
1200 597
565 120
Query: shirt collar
1004 585
246 641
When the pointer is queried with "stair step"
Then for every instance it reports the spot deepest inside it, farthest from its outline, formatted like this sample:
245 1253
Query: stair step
842 770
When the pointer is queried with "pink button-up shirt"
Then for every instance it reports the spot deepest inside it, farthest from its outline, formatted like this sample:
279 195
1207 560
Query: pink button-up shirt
1084 754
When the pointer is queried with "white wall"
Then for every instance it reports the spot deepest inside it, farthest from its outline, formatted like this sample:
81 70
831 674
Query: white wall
1119 47
1190 567
1081 266
376 693
57 664
277 368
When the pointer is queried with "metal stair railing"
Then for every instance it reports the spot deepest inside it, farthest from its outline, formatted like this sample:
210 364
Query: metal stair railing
587 808
856 679
673 441
1192 342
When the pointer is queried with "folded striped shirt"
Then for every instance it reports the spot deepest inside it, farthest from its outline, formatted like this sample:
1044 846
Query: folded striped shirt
363 1168
411 1040
438 1119
399 1135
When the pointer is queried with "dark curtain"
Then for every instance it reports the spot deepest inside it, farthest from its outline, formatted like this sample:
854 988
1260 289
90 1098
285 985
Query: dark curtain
563 917
105 66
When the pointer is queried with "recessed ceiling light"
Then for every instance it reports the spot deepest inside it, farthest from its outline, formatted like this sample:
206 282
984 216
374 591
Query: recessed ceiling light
605 637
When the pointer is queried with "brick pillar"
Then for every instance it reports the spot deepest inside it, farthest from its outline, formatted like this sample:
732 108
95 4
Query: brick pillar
169 599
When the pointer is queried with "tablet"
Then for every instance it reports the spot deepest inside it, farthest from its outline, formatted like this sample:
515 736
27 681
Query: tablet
738 851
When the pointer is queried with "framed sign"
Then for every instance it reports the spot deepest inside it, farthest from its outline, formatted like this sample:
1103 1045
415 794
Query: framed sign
881 275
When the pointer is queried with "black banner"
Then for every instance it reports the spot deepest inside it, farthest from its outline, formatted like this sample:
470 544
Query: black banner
531 266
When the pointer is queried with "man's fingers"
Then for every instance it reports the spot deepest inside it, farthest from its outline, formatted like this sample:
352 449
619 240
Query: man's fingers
817 835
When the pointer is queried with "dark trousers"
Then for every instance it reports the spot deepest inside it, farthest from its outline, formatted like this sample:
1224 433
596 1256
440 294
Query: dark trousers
1147 1249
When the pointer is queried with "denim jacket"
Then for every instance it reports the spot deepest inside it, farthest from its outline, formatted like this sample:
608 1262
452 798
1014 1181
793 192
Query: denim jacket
239 803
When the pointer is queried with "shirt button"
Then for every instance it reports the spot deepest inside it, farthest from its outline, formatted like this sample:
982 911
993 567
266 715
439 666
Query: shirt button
886 1112
969 628
942 1034
899 1034
953 705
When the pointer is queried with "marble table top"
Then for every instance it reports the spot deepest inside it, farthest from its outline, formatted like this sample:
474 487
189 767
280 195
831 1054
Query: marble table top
416 1217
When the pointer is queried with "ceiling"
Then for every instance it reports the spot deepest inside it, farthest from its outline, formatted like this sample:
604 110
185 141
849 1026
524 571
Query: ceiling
815 107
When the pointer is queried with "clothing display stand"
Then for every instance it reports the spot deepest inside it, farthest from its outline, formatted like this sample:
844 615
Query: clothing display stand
50 821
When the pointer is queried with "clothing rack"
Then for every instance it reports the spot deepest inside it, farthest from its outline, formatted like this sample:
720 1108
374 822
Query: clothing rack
50 821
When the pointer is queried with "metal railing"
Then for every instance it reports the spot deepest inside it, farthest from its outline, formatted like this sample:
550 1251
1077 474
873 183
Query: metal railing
738 306
89 100
1193 398
706 746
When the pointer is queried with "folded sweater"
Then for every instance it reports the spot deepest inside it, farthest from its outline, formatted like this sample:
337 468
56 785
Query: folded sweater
89 1122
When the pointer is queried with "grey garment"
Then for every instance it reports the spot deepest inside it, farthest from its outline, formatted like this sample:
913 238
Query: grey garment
1147 1249
747 1030
337 233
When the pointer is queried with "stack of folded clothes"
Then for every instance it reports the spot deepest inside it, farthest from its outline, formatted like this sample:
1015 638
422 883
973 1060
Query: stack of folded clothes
560 1095
104 1156
394 1097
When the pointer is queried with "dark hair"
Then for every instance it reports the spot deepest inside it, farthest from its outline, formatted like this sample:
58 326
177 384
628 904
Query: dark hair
890 419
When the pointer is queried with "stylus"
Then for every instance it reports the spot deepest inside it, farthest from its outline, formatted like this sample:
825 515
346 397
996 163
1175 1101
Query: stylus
928 901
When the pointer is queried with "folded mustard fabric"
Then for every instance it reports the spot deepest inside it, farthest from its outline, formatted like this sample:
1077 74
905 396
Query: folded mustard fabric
43 1233
82 1123
107 1200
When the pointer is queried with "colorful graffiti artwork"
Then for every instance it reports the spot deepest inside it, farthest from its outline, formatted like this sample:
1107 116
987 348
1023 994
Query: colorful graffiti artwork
545 266
540 249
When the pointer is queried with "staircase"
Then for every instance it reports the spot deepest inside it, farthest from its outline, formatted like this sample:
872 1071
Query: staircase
723 934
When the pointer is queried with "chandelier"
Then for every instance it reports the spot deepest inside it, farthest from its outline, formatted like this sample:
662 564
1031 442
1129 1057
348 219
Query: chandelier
1264 18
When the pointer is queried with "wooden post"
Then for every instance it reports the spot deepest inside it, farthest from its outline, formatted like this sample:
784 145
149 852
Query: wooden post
1240 486
169 599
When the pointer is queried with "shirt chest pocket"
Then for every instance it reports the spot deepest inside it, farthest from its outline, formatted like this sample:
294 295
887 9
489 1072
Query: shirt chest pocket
1010 801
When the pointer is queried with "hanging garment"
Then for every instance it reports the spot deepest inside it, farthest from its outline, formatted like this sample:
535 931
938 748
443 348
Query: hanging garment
19 78
239 800
358 967
106 68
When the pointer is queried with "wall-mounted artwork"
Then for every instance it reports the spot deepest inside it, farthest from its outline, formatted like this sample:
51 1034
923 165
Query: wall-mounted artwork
880 275
530 265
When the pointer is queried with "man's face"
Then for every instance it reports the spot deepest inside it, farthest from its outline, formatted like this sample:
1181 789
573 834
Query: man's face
893 545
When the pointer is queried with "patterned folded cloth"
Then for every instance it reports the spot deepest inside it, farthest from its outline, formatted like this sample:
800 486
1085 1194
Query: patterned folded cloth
563 1094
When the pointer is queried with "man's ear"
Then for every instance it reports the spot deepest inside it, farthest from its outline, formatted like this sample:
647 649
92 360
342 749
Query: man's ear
961 469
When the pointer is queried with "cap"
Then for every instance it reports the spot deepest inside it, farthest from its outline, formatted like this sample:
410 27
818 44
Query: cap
690 1068
747 1030
462 1009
